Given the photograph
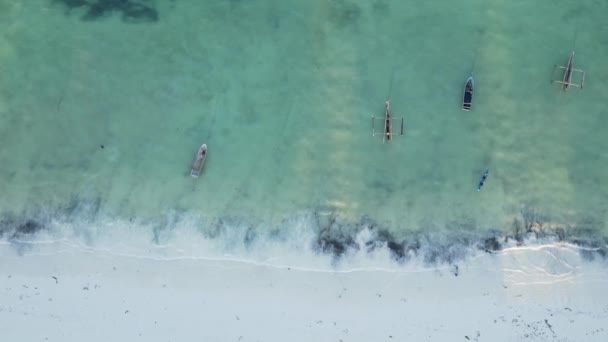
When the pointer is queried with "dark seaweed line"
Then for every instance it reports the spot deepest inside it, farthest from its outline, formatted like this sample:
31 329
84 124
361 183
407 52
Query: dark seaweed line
339 239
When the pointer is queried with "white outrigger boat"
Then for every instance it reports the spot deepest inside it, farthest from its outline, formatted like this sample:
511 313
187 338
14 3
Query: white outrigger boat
199 161
568 72
387 133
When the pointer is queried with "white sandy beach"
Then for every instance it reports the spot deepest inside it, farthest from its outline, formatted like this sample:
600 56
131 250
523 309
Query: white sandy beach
543 293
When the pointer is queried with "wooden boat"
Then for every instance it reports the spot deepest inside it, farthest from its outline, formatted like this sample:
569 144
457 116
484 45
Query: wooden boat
199 161
467 100
387 120
387 132
483 179
567 80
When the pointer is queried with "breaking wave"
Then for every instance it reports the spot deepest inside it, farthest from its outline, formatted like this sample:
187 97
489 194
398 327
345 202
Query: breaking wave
317 238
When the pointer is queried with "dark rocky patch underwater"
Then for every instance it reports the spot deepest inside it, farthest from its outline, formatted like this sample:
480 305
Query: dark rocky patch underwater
131 11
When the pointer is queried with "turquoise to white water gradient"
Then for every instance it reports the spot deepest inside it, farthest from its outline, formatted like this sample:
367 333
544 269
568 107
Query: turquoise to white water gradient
282 93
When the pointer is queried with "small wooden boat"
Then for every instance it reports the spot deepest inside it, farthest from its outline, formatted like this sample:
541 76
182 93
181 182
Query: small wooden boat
567 80
199 161
483 179
387 132
467 100
387 120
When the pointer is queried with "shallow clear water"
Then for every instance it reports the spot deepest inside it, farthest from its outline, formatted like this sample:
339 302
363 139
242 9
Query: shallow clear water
282 92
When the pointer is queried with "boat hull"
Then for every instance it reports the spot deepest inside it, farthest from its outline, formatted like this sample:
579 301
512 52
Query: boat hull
568 73
467 99
199 161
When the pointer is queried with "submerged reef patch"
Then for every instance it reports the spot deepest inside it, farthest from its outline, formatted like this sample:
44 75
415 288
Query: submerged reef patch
132 11
14 229
343 13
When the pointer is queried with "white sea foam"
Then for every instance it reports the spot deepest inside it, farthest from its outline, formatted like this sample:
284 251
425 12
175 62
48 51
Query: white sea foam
294 244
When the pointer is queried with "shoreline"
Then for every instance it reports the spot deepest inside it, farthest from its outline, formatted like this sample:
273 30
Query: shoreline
308 233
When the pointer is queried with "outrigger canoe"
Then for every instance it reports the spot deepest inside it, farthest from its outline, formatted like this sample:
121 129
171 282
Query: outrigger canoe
569 71
467 100
388 118
199 161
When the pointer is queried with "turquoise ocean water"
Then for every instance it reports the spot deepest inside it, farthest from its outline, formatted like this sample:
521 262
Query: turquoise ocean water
282 92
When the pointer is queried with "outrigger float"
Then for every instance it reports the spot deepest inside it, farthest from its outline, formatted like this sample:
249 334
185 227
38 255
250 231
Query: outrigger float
387 133
199 161
569 71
